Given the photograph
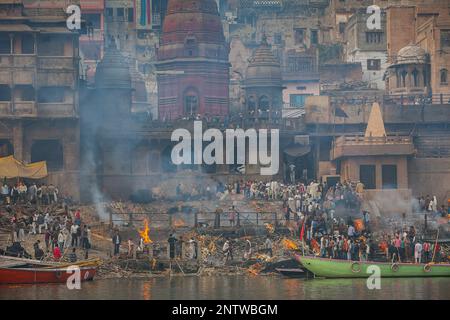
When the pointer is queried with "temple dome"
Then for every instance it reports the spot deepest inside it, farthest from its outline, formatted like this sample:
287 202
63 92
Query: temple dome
412 54
263 69
192 28
113 71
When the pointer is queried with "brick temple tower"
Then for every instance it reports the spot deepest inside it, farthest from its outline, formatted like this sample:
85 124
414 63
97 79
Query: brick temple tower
192 66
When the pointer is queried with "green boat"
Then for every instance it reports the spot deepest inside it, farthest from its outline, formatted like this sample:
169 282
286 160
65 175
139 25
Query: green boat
332 268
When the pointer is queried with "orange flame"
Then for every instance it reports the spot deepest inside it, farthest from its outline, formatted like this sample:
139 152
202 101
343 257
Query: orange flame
269 227
178 223
289 244
144 233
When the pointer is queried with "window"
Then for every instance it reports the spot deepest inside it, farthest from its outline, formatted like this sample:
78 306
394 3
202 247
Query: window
50 151
314 37
24 92
367 176
120 14
389 176
109 14
403 78
5 43
27 44
130 15
342 27
373 64
251 104
445 38
6 148
277 38
51 94
298 100
373 37
191 103
299 36
415 75
5 92
264 103
444 76
93 20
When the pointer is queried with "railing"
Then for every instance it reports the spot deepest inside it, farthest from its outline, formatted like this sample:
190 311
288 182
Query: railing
400 99
359 140
195 219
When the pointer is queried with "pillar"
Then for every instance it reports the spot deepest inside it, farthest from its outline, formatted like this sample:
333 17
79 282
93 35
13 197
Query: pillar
18 141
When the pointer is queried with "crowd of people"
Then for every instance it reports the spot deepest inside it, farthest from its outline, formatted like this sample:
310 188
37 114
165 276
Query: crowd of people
430 205
31 211
23 192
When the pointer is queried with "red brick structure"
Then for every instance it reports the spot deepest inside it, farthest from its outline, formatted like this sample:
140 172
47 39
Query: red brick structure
192 67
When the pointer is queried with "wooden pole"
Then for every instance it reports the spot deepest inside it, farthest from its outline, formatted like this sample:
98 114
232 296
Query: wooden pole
435 243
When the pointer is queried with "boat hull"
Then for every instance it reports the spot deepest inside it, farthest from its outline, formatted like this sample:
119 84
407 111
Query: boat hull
331 268
41 275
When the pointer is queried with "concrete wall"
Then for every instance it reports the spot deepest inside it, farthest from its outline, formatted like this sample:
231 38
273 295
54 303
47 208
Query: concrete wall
430 176
350 169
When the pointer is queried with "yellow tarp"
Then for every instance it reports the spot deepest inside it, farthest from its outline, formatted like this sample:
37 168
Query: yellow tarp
13 168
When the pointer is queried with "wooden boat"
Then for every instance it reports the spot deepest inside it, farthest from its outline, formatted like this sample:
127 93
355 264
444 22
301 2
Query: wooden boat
292 273
21 271
333 268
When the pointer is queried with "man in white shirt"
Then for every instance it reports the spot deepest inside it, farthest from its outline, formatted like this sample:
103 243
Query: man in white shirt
418 252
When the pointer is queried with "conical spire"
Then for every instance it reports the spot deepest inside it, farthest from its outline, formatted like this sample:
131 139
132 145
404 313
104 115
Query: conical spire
375 125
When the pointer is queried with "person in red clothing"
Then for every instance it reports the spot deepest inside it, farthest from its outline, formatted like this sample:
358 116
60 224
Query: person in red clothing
56 253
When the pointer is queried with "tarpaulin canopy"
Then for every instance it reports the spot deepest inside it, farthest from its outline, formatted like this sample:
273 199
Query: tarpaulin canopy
13 168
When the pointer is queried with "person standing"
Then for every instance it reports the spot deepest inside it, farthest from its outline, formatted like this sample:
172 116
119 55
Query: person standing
61 240
418 252
172 242
116 240
268 246
426 251
74 235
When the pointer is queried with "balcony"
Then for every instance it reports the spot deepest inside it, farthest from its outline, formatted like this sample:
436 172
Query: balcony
345 146
5 108
25 108
97 35
18 60
56 110
56 63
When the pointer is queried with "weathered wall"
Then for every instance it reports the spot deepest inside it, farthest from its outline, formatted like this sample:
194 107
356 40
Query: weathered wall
430 176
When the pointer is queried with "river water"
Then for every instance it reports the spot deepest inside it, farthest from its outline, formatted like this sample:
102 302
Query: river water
236 288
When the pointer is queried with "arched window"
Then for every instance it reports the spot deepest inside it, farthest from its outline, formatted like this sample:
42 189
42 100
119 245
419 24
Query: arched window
444 76
50 151
263 103
251 104
191 103
403 78
415 75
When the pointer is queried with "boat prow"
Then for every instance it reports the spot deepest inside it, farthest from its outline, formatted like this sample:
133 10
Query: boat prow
333 268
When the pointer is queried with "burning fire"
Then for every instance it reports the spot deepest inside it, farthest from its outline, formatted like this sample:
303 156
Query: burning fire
144 233
270 228
289 244
178 223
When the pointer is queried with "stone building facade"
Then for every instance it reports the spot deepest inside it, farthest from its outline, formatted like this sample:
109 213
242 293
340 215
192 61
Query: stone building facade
39 91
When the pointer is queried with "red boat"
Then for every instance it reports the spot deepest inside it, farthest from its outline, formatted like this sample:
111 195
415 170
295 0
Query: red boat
42 275
21 271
